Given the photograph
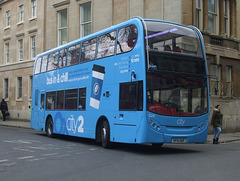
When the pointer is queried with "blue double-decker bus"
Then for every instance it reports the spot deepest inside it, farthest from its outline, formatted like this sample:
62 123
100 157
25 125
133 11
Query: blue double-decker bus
141 81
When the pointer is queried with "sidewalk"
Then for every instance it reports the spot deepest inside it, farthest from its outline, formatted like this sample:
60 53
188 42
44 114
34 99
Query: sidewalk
224 137
16 123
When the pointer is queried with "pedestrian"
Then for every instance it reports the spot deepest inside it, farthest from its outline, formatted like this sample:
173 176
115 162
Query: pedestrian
4 109
216 122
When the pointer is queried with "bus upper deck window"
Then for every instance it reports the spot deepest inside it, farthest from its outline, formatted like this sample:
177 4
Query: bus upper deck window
52 61
106 45
38 66
88 50
44 64
127 38
73 55
62 58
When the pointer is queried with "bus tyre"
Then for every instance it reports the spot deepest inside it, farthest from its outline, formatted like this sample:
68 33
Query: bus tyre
105 135
49 128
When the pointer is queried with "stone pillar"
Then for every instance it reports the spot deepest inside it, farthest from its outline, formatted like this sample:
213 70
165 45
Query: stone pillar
233 27
136 8
221 18
205 15
194 12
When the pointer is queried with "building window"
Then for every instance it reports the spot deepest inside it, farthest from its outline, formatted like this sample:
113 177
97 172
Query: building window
21 13
19 87
226 16
7 52
62 27
212 15
198 13
33 46
215 79
8 18
86 19
34 8
20 48
5 88
229 81
30 87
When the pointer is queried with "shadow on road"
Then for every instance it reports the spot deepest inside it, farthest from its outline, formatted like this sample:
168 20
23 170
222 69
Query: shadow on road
144 149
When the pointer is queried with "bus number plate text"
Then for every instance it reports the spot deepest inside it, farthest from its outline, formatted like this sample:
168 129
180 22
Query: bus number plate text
178 140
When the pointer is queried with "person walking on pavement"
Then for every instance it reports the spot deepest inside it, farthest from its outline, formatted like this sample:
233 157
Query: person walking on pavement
4 109
216 122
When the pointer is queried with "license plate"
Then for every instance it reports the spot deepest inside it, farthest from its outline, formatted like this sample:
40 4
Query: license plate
179 140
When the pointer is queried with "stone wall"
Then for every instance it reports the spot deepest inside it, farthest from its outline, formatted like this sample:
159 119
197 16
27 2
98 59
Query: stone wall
231 113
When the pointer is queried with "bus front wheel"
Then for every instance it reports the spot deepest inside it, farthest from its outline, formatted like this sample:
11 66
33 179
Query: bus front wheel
105 135
49 127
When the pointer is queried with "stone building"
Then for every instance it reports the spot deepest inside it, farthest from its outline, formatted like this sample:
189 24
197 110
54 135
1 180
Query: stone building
29 27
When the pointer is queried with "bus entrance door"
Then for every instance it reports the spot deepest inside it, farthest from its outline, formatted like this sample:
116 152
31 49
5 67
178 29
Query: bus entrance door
42 107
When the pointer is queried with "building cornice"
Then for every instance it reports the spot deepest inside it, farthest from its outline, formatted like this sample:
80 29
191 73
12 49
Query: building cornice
62 3
17 65
3 1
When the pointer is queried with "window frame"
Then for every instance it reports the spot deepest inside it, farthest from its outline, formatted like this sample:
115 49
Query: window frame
6 88
214 15
21 13
106 46
138 101
82 17
20 50
63 51
33 46
69 96
19 88
7 52
30 80
93 44
8 16
118 42
52 61
215 80
82 98
61 28
229 81
60 106
198 14
75 48
52 95
34 8
226 17
44 64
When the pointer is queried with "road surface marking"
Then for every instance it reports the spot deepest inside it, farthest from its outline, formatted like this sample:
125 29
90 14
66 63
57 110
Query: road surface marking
26 157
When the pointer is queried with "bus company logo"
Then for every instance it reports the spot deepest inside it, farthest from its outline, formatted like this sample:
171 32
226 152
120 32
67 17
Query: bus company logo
180 122
96 88
75 125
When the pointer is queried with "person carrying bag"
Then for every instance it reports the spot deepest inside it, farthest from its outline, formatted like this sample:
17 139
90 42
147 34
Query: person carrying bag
4 109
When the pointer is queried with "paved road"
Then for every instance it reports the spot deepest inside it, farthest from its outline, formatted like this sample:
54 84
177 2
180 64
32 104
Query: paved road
26 154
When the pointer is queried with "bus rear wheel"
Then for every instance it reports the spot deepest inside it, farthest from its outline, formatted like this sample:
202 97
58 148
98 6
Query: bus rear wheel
105 135
49 128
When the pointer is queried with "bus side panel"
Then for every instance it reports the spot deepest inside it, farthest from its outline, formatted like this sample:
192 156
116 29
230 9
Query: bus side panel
125 126
77 123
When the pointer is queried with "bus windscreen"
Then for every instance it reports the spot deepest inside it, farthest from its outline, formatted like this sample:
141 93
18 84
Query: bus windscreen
173 38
